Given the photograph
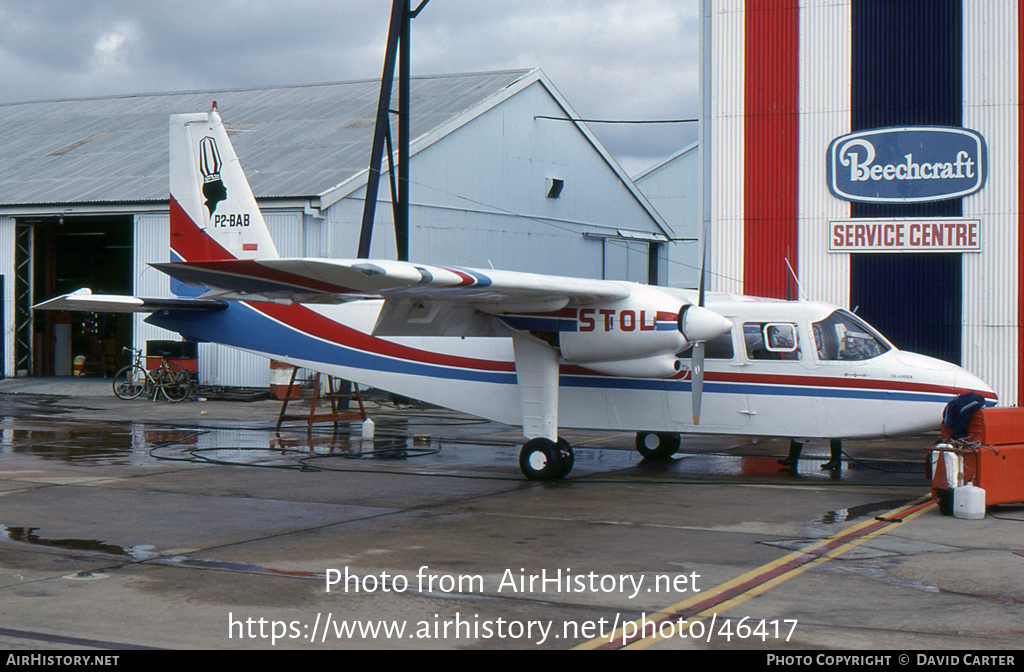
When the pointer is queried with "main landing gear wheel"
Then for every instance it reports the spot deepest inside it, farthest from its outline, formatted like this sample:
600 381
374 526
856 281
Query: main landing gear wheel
544 460
657 445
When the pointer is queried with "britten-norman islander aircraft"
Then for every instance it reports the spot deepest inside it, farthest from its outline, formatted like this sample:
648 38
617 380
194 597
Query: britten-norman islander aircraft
540 351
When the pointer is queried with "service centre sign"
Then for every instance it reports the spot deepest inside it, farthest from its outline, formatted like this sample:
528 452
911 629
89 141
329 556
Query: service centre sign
905 235
912 164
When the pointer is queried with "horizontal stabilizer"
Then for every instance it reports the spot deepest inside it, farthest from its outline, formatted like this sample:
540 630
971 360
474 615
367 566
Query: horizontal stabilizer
84 300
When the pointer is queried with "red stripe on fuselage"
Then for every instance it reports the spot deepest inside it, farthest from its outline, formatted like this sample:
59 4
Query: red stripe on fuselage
829 381
303 319
308 321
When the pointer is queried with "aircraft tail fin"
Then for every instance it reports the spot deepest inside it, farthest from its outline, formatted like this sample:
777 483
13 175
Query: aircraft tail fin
214 216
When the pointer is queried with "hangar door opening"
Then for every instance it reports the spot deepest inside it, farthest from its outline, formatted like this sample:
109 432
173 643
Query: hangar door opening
69 253
913 299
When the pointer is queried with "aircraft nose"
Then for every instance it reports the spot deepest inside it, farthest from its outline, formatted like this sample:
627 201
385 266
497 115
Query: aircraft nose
965 381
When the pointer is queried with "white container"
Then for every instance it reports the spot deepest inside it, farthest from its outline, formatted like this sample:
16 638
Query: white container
969 502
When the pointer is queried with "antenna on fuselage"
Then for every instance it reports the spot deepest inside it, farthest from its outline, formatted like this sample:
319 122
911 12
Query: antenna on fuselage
801 294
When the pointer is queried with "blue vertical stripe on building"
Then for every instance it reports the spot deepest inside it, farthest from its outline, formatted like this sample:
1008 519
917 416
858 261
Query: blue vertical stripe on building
907 70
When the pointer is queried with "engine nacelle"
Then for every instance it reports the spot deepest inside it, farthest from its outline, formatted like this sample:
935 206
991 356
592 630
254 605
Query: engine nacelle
659 366
646 324
701 324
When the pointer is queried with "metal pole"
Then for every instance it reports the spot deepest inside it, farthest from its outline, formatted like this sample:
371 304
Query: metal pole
383 109
402 212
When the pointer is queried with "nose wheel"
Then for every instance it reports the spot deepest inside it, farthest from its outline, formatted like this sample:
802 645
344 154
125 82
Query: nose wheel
657 445
545 460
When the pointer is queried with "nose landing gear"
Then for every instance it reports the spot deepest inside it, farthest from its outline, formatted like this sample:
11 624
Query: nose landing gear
657 445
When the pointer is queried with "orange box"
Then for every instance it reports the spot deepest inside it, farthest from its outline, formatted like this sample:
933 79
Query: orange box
1001 473
999 470
996 426
190 364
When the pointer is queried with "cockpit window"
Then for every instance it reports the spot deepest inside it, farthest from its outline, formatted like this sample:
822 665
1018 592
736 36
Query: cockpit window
843 337
771 340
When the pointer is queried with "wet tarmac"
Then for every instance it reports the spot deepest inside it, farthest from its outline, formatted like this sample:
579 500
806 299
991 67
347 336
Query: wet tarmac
196 525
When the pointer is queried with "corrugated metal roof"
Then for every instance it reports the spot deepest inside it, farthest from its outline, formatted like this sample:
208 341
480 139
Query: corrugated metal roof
294 141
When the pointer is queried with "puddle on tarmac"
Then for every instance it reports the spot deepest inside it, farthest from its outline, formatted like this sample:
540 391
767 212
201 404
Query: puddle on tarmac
30 535
843 515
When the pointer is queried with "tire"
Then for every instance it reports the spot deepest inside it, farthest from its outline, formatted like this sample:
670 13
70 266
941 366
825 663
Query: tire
567 457
176 383
540 460
657 445
129 382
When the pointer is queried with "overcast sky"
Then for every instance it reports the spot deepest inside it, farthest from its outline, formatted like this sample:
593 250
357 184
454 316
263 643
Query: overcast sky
611 59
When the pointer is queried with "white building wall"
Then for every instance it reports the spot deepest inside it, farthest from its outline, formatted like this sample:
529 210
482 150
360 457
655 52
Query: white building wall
824 115
478 197
152 233
991 99
726 149
673 188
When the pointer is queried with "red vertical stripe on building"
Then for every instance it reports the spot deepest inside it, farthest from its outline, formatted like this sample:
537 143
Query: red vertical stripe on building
771 145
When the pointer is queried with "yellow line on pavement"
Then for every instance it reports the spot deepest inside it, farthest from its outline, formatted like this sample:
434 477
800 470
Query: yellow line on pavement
760 580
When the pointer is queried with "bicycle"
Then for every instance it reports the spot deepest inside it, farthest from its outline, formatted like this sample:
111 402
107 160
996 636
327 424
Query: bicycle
171 380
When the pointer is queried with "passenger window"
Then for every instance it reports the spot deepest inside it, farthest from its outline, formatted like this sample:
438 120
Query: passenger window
843 337
718 348
771 340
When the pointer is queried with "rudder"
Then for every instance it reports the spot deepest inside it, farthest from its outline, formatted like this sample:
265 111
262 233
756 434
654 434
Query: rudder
213 215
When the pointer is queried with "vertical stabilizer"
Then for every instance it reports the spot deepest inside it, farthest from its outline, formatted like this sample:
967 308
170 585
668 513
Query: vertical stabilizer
213 212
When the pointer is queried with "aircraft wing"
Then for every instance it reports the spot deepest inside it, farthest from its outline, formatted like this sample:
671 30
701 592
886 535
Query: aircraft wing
340 280
84 300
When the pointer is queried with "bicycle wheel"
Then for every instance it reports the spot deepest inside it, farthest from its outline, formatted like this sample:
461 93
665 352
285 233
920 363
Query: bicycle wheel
129 382
175 383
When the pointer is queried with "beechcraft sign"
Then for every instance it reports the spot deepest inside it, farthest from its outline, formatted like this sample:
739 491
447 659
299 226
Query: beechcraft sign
906 165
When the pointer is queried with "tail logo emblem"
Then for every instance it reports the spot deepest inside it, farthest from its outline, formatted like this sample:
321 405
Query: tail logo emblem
209 165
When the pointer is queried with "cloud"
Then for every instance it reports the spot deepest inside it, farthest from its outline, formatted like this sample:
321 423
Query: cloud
609 58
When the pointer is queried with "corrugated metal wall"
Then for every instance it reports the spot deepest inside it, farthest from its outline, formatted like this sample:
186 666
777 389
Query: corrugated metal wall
152 233
7 247
991 93
727 161
824 115
966 68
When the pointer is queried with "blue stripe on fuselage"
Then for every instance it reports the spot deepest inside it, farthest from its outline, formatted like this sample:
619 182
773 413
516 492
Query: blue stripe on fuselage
241 326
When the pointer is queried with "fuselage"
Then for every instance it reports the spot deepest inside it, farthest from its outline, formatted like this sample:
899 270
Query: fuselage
793 369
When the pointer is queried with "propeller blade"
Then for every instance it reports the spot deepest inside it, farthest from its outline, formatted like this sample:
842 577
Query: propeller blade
697 379
697 372
703 260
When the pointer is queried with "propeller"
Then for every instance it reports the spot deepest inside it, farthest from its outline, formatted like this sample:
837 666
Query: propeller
697 374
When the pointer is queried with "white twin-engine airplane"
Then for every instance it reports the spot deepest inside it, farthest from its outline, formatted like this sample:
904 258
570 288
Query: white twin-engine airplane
540 351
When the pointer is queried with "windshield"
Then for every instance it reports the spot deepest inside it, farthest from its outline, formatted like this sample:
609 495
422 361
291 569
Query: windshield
843 336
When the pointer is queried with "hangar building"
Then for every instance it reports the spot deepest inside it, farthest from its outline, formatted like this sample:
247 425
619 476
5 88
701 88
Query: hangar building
673 188
875 145
84 182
